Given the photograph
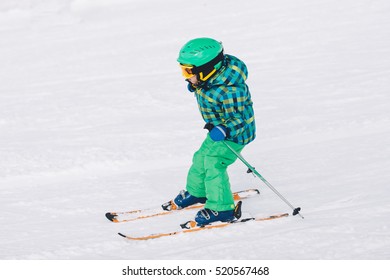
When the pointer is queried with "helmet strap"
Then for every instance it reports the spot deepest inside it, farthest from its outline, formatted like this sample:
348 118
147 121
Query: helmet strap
202 78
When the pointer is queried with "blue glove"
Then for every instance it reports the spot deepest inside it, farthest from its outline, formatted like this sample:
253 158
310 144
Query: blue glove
218 133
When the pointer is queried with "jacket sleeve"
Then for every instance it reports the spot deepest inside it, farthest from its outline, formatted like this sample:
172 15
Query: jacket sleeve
233 103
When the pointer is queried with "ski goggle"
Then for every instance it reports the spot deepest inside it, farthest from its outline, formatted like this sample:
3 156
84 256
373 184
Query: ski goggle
186 71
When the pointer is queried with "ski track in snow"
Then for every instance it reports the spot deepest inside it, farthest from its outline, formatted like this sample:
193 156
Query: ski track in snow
95 117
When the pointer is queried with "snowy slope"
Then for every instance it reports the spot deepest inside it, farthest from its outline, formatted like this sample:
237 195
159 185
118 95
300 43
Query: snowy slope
95 116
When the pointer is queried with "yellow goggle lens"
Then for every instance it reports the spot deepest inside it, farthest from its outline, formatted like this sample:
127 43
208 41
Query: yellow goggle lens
186 71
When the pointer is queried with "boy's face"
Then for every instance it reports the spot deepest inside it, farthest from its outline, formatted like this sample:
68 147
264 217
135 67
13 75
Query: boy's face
187 73
193 80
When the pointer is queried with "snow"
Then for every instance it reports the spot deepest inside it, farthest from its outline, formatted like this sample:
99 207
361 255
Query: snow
95 116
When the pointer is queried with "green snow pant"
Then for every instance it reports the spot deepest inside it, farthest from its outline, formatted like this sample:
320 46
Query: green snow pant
208 176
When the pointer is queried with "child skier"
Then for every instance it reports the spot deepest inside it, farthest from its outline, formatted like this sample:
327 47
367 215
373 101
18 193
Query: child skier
224 101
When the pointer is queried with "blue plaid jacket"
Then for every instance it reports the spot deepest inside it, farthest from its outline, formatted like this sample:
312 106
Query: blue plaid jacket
225 100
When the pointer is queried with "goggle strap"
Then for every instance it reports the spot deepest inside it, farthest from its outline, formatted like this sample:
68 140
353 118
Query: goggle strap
209 65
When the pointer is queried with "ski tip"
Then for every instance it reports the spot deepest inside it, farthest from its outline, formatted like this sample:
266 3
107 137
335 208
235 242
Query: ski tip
272 217
111 217
121 234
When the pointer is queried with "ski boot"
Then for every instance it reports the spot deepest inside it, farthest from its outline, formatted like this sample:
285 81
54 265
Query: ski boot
208 216
182 200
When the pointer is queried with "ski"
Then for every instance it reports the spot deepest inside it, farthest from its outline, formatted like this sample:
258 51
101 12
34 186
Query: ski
165 209
191 226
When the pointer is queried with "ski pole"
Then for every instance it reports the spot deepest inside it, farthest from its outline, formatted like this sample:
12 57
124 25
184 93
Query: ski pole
253 170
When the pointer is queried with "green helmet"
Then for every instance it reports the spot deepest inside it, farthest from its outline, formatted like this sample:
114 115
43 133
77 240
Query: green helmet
199 51
204 54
